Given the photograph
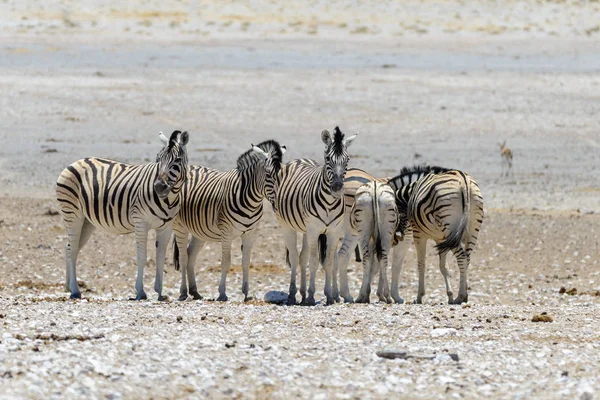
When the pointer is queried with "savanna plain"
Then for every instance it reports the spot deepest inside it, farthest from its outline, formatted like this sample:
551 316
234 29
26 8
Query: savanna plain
421 81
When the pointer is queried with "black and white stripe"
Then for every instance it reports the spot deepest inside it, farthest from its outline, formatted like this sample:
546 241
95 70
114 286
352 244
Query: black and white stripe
308 199
444 205
122 198
221 206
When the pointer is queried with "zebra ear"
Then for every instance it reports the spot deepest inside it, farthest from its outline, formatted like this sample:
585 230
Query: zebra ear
163 138
326 137
259 151
184 138
348 141
283 149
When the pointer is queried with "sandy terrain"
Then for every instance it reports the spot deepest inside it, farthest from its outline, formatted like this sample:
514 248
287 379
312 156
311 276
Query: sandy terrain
423 82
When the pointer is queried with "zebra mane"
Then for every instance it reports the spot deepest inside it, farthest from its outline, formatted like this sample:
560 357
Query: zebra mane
338 141
250 157
410 174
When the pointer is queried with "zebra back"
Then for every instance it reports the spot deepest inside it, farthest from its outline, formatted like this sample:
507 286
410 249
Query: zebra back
111 194
215 203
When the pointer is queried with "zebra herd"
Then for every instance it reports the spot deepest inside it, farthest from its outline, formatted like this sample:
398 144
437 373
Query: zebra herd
336 209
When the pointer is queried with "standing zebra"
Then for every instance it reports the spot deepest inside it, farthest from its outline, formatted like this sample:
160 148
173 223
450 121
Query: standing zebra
221 206
374 220
309 199
355 178
123 198
440 204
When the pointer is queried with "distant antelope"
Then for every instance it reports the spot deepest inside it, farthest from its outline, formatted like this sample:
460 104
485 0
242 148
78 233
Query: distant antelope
507 157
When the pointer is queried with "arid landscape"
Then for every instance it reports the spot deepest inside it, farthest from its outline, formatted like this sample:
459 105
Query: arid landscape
421 81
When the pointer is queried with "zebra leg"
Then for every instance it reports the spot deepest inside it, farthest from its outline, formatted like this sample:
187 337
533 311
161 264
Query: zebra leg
181 241
247 243
333 241
71 252
193 250
463 263
366 248
225 264
304 253
335 291
399 253
421 245
343 258
162 239
446 276
141 239
86 233
289 238
313 263
383 288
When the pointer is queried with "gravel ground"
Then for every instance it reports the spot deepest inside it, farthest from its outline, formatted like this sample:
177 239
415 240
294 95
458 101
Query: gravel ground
423 81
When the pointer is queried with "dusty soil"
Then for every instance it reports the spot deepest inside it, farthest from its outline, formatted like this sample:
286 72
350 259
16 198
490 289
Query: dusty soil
423 82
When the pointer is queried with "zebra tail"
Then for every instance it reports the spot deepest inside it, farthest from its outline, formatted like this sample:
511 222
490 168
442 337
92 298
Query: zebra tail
322 243
376 233
357 254
176 254
453 240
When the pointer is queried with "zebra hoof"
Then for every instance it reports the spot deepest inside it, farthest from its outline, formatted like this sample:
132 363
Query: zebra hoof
76 295
291 300
399 300
248 298
460 300
337 299
195 295
362 299
348 299
139 296
162 298
222 297
418 301
310 301
182 297
330 301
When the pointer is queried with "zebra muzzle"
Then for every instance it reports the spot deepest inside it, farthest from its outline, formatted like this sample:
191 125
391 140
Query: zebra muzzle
161 188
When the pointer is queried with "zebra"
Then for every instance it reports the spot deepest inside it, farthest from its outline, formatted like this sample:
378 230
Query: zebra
374 219
355 178
123 198
221 206
440 204
308 199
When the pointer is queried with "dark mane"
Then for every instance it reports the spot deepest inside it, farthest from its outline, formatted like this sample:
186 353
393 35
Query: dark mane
250 157
338 141
411 174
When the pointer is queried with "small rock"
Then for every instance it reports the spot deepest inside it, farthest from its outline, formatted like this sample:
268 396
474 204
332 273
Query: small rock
562 290
443 332
276 297
542 318
179 318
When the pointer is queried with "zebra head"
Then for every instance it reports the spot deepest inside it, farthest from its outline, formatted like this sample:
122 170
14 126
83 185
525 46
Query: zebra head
336 158
272 153
172 163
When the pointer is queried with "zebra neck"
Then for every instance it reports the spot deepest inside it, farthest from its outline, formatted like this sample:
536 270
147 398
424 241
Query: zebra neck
325 186
252 184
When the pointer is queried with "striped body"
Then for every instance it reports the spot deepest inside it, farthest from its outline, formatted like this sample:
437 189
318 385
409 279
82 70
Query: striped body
303 195
308 198
113 195
217 203
122 198
221 206
374 218
354 180
445 206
